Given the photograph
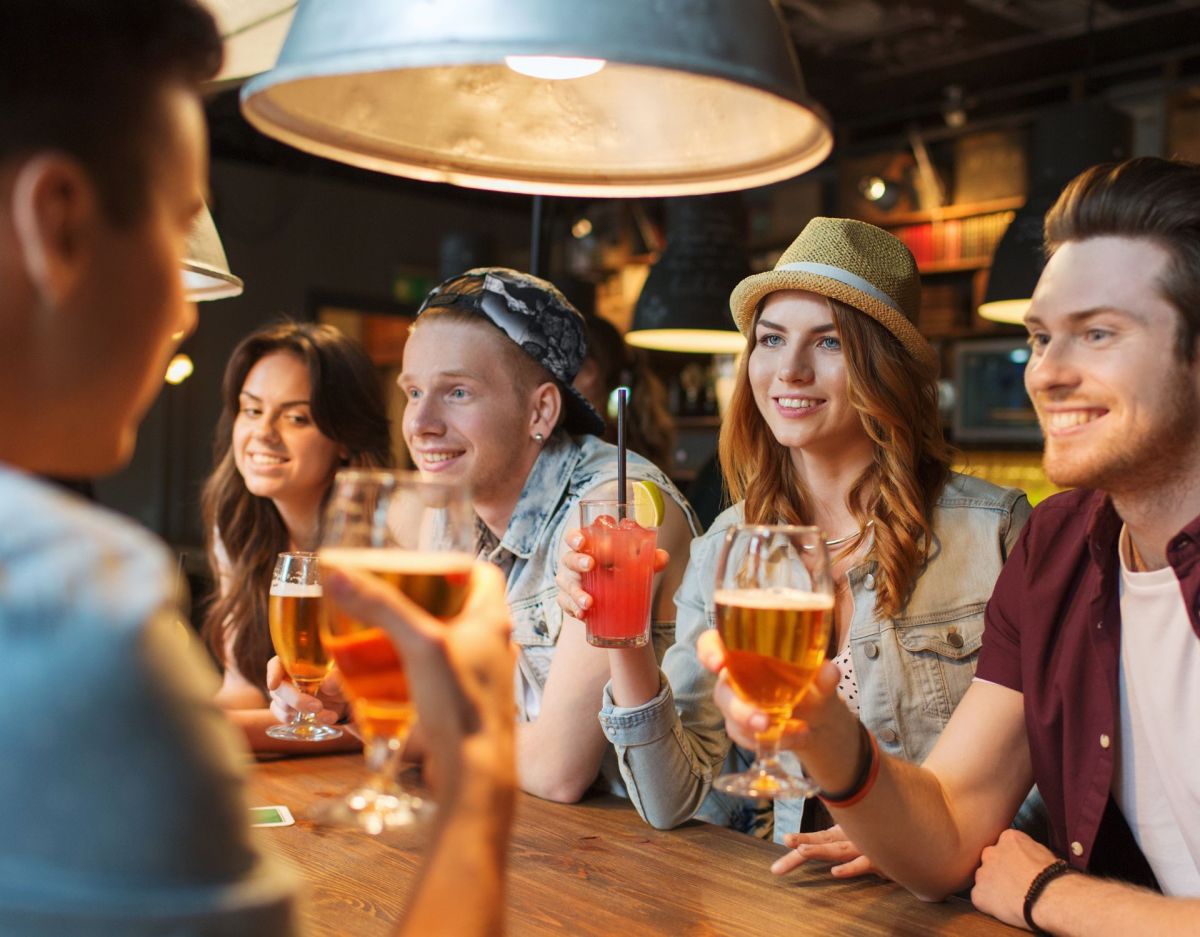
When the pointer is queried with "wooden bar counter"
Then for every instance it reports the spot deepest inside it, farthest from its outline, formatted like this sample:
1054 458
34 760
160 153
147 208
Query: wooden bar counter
593 868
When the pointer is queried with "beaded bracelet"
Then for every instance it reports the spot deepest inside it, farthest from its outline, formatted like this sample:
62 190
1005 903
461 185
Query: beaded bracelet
1040 881
868 771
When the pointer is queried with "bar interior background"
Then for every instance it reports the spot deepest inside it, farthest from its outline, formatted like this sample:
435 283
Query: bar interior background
950 119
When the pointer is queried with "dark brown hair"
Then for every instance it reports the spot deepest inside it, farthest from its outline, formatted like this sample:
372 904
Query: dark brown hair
347 407
85 78
896 398
1146 197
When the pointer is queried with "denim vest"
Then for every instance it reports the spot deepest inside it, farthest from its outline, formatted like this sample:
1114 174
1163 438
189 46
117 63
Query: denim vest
566 469
911 670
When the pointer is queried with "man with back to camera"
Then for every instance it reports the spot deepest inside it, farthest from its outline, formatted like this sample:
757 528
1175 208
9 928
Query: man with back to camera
1089 676
124 809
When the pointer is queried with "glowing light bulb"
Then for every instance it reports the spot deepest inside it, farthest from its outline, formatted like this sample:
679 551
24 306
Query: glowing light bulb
553 67
180 369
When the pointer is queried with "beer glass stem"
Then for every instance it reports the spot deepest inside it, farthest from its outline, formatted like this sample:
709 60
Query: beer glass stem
766 748
301 718
383 760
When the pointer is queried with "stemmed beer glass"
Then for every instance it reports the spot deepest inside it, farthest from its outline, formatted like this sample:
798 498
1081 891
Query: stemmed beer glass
294 611
774 610
416 535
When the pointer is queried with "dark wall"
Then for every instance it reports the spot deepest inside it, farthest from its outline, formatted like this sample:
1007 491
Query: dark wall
289 236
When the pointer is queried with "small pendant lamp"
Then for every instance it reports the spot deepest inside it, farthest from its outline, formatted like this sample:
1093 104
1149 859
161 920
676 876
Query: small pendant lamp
206 273
595 98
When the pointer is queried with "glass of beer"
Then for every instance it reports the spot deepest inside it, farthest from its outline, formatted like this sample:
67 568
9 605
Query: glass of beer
417 536
295 610
774 611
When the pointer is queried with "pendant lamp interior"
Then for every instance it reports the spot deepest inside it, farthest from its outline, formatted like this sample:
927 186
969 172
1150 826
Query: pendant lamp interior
667 97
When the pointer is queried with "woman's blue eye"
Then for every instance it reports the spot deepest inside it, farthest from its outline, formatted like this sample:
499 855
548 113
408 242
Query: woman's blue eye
830 342
770 340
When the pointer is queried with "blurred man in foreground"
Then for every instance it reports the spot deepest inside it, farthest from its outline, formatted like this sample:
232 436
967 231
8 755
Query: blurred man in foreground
123 805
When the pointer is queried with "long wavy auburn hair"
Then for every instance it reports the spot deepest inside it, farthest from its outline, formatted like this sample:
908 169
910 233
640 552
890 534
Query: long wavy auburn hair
348 407
896 397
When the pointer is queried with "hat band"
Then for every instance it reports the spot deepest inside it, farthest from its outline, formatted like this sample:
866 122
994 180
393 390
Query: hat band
852 280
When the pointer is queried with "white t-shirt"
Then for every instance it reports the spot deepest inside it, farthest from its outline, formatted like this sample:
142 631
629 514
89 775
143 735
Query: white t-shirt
1158 745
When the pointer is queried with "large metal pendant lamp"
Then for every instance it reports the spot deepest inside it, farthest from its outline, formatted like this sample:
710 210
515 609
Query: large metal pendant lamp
567 97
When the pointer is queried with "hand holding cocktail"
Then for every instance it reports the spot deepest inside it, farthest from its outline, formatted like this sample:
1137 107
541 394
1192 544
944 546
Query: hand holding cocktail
620 539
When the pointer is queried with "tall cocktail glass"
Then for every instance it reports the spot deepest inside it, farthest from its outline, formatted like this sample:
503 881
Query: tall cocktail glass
621 576
774 611
417 536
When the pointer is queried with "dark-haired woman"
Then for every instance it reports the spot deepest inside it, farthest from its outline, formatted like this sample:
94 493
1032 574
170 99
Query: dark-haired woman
833 422
300 401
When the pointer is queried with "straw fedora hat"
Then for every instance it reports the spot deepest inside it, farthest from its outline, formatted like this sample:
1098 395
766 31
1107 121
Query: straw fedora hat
851 261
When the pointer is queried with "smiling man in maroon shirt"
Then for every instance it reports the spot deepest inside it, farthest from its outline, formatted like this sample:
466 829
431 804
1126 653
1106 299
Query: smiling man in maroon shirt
1089 678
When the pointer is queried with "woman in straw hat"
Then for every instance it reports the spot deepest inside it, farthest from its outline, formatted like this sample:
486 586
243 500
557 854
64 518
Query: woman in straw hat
833 422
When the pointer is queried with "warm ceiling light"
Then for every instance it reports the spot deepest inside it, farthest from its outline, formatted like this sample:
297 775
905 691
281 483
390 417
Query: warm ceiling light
693 98
581 228
1005 310
206 273
872 188
692 341
553 67
180 369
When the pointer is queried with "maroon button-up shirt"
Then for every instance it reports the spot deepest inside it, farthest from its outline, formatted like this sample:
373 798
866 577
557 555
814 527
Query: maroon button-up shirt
1053 633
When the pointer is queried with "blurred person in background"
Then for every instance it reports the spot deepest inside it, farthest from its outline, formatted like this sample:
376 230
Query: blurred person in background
611 363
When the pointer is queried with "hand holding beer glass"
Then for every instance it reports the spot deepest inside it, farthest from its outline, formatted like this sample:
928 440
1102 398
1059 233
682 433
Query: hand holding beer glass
774 611
417 536
295 610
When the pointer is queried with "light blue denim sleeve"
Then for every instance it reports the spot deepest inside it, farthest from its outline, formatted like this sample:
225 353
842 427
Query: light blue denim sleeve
669 748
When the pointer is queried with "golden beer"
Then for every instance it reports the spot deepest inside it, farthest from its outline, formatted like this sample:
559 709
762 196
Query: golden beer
775 640
295 611
370 664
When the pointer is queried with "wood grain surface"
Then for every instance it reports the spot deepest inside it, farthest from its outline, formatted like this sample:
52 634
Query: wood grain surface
593 868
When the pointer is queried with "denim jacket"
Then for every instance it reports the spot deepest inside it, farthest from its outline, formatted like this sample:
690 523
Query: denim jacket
911 670
566 469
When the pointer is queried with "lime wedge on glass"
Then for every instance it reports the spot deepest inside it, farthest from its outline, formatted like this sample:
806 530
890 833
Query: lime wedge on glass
647 504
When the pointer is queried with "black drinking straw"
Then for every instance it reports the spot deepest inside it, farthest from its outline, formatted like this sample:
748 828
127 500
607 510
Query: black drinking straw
622 393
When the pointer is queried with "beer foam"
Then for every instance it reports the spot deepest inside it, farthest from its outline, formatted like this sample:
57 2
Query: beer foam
296 590
775 599
396 560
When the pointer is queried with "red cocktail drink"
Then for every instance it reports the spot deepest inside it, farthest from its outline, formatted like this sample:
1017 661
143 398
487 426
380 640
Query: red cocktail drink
621 579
